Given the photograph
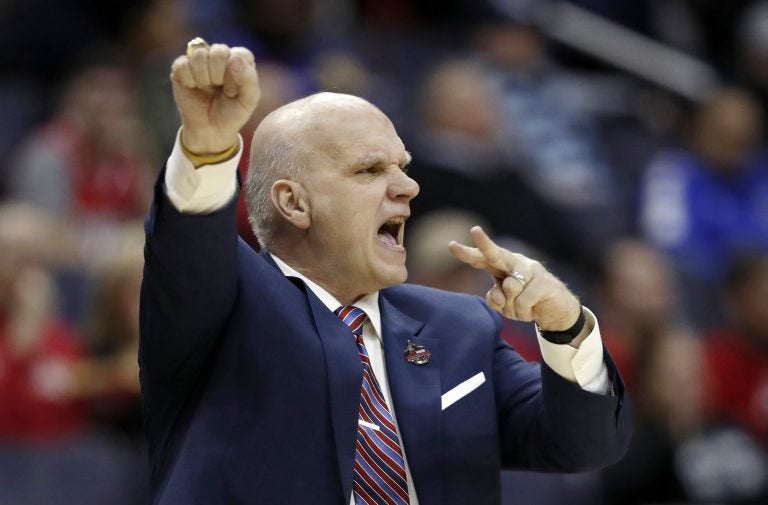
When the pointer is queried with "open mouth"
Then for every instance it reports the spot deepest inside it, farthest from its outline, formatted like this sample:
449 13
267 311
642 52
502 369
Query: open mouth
391 232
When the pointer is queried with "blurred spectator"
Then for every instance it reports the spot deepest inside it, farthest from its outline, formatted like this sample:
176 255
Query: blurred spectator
154 34
548 130
431 263
708 201
87 163
111 375
677 454
109 378
458 163
342 72
157 29
738 351
48 40
49 449
636 295
38 350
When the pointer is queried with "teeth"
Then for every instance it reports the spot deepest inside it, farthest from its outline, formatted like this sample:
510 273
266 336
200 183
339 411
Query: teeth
396 221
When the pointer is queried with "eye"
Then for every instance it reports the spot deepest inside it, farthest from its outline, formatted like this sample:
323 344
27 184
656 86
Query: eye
374 169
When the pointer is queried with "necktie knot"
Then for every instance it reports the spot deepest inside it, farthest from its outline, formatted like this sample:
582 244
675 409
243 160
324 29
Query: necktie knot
353 317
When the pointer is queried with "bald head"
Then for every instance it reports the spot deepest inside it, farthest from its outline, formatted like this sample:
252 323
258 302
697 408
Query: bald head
292 140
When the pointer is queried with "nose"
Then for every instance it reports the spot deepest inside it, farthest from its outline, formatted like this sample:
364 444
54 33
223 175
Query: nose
403 187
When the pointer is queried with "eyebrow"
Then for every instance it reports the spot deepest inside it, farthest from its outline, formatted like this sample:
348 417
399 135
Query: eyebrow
374 159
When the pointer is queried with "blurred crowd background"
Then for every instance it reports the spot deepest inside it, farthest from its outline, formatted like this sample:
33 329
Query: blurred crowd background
621 142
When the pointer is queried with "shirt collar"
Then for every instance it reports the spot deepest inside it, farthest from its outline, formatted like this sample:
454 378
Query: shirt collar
369 303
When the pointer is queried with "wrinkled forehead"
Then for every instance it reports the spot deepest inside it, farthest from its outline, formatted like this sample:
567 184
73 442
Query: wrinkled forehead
342 127
334 122
330 129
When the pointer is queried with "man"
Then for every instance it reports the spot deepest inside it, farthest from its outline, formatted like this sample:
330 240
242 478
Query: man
309 374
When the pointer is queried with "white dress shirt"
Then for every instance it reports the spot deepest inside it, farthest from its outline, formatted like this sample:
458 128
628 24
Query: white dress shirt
211 187
373 344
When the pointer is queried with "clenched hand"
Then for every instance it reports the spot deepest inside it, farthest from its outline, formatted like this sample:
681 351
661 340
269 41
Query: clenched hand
216 90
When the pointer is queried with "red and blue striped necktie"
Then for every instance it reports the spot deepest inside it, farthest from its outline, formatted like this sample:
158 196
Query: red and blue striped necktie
379 477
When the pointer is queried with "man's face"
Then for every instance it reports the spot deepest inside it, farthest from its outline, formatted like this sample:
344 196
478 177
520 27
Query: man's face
359 198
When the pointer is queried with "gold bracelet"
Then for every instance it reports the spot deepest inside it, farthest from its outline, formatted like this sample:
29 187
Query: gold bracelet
209 159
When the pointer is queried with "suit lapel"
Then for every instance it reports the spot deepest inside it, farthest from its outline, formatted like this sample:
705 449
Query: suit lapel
345 373
415 391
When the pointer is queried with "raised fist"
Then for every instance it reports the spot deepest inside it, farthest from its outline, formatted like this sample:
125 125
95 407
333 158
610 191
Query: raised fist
216 89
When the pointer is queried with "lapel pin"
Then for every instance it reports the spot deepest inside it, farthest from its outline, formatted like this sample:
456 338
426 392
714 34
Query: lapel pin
416 354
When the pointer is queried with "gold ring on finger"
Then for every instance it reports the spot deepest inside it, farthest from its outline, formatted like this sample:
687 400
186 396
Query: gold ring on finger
520 278
196 43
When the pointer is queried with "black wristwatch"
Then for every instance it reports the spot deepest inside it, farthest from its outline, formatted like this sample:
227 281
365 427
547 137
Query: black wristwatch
565 336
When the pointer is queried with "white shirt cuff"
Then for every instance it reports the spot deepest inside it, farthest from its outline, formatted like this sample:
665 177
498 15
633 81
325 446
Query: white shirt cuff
200 190
584 366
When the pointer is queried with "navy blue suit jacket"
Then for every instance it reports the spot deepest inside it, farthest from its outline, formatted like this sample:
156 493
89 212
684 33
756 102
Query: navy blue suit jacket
251 385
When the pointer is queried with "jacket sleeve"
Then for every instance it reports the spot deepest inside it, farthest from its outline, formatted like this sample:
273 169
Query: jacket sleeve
547 423
189 286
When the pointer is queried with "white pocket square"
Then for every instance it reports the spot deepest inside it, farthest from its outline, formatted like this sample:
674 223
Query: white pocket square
462 390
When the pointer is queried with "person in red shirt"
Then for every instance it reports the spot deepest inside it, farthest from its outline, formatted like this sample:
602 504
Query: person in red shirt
636 291
89 161
39 352
737 353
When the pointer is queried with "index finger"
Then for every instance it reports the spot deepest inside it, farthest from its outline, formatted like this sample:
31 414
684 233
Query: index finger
469 255
491 251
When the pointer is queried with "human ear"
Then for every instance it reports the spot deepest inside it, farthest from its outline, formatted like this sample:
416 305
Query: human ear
290 200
